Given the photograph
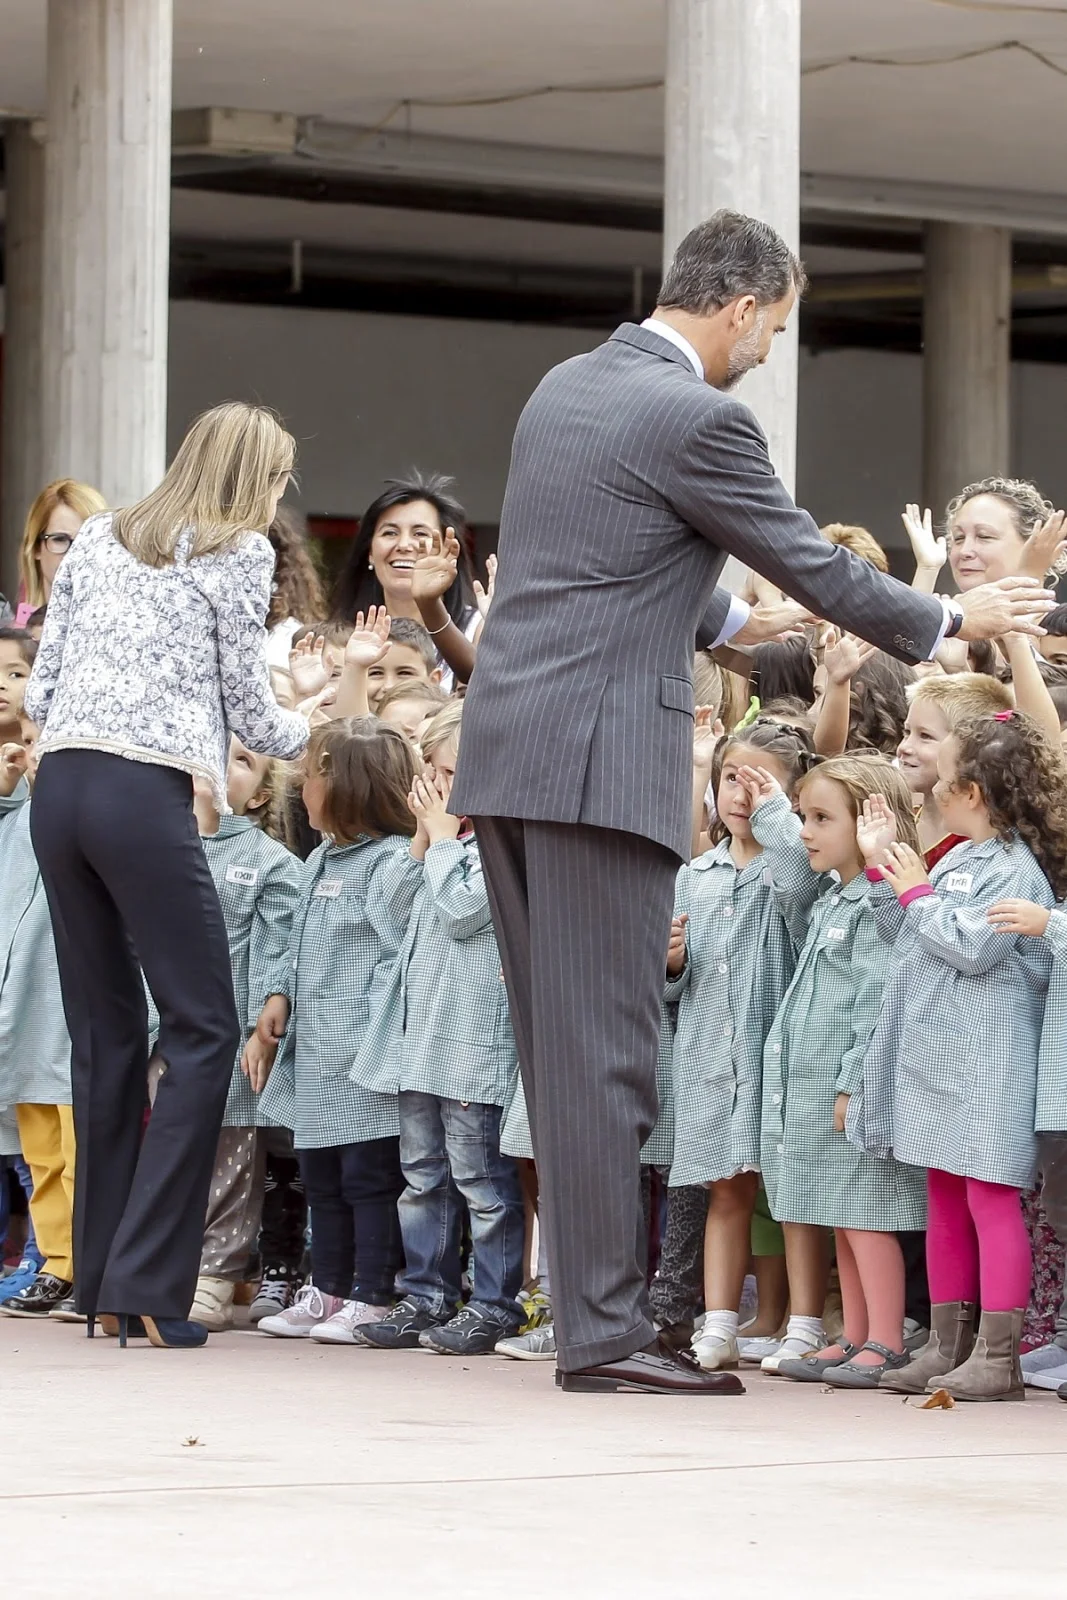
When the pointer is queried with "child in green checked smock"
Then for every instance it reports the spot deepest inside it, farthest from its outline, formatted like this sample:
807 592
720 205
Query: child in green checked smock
952 1074
813 1063
728 978
258 884
345 943
452 1062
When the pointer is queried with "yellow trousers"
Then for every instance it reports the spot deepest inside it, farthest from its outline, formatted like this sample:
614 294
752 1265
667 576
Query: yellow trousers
46 1134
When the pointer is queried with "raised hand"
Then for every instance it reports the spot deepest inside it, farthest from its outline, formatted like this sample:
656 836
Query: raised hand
904 868
307 665
435 572
1046 549
876 829
484 596
760 785
1019 916
707 732
930 552
369 639
14 763
676 946
844 656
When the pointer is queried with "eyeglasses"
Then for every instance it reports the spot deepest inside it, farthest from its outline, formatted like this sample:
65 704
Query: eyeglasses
57 544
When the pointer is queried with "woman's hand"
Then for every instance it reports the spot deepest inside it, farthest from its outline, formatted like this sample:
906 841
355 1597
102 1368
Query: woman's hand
368 642
676 947
484 597
307 665
760 785
14 762
930 553
840 1111
1019 916
435 572
428 801
904 869
876 829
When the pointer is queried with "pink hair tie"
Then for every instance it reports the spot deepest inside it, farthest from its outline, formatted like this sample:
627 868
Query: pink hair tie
1003 716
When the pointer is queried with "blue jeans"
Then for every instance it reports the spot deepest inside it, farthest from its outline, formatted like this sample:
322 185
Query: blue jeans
30 1251
449 1150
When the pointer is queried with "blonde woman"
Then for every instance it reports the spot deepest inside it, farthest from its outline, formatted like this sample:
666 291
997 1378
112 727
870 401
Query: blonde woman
54 520
153 653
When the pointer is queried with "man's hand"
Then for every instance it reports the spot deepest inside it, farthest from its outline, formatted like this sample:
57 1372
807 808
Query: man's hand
1012 605
774 620
434 573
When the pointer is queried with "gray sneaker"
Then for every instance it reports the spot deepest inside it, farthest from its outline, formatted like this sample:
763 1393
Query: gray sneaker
537 1345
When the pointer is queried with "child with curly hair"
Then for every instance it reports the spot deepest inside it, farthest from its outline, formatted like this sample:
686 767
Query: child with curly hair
950 1079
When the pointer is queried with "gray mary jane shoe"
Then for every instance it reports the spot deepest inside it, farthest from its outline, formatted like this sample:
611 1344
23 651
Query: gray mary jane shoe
813 1369
850 1376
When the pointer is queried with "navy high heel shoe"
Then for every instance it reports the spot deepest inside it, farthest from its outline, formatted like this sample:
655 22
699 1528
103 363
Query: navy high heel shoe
169 1333
113 1327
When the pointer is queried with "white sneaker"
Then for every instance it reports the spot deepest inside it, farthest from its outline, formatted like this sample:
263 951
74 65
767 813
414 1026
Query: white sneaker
715 1350
308 1310
213 1304
341 1327
797 1343
538 1344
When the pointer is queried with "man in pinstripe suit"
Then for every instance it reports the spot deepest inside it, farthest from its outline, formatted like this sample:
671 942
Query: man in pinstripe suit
633 474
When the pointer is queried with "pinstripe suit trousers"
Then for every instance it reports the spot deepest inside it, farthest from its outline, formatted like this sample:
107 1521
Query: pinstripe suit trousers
582 917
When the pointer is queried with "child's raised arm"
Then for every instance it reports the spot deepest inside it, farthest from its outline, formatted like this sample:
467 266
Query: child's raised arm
776 826
367 644
1031 691
843 657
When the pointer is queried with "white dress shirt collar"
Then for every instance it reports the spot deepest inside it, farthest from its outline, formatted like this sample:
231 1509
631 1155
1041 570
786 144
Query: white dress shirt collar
665 331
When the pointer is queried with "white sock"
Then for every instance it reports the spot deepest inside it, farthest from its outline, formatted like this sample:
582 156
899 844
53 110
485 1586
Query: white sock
799 1327
721 1323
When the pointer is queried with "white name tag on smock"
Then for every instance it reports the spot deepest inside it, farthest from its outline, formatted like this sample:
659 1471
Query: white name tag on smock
328 889
246 875
837 934
960 882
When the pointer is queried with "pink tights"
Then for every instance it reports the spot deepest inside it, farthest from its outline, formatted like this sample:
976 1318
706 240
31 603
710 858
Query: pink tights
977 1246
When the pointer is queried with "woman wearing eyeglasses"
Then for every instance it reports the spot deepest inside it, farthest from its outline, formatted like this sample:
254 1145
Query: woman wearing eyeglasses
55 517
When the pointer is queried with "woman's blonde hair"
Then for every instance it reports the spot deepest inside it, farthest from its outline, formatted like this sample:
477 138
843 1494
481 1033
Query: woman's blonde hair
81 498
219 485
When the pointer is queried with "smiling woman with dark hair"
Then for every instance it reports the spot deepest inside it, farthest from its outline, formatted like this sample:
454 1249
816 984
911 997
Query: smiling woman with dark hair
397 528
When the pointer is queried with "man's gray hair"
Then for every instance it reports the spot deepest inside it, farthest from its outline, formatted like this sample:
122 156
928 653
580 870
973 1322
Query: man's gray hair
728 256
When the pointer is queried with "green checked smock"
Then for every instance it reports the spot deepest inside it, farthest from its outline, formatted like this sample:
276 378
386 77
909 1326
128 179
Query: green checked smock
258 883
448 1032
345 943
34 1043
1051 1114
950 1079
739 960
815 1051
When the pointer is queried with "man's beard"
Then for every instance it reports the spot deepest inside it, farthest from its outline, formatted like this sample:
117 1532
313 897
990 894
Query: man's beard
745 355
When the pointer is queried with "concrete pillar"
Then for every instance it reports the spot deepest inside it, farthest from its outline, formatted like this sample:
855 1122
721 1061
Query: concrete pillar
733 139
966 358
107 221
21 462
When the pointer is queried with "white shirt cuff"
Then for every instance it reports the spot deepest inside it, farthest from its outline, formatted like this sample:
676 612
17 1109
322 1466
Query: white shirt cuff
738 615
952 610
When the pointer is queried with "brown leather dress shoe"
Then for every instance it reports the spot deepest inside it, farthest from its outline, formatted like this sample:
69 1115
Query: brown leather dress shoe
657 1369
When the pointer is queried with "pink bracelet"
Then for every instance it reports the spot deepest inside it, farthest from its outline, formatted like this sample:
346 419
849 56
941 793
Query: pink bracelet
874 876
918 893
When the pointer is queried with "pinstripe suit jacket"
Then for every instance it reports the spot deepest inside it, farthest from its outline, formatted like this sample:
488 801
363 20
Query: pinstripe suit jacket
631 479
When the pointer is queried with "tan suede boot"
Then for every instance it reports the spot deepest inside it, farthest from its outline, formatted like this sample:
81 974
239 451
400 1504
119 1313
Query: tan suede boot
992 1370
950 1343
